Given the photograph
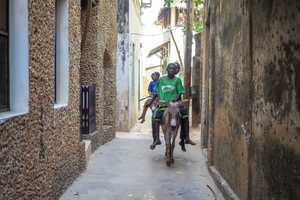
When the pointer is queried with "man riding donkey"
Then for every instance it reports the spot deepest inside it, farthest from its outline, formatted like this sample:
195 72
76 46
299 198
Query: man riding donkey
169 88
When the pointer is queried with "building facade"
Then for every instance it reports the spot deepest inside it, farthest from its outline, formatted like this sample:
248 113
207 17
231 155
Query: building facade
250 109
41 151
129 62
98 66
173 21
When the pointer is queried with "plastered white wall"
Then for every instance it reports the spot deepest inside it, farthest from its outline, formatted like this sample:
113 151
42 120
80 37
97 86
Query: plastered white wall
62 52
19 56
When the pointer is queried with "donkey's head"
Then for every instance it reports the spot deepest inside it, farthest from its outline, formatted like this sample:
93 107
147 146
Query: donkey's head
173 115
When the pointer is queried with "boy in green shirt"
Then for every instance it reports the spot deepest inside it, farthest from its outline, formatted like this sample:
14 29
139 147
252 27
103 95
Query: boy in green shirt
170 88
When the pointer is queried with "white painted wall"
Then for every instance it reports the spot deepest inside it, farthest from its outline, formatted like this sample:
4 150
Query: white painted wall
135 26
123 82
62 53
19 56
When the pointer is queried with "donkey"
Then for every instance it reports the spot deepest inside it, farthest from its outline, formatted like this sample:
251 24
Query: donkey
170 125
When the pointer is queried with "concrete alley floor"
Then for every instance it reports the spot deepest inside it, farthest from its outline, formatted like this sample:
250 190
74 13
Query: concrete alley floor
126 169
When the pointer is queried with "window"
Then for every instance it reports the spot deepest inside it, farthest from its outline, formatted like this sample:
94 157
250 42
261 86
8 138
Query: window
4 56
14 58
61 53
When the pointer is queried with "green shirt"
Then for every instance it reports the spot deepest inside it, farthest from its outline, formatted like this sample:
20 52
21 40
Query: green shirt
168 89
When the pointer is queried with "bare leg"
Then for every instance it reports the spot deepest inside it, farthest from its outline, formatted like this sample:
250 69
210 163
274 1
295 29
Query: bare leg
146 106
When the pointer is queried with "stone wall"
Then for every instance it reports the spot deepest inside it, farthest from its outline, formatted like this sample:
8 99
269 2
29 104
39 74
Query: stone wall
253 102
197 82
276 103
98 65
40 152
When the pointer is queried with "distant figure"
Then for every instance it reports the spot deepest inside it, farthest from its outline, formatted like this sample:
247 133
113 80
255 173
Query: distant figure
151 89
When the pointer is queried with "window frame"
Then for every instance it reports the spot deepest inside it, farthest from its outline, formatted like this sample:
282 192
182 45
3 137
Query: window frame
6 108
18 17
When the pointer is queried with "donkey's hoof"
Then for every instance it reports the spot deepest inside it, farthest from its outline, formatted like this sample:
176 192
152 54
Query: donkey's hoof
169 163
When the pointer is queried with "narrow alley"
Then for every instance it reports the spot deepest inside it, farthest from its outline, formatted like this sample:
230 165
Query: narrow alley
95 94
125 169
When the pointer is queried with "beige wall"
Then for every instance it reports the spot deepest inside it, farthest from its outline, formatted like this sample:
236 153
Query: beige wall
253 116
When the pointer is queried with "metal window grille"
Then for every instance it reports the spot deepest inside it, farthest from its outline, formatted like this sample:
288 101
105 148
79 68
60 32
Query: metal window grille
87 109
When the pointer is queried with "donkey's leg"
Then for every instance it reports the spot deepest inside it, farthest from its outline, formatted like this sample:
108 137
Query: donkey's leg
168 148
173 146
168 151
165 137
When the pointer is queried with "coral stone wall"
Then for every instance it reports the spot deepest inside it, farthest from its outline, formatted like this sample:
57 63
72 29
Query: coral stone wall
40 152
254 115
108 35
98 65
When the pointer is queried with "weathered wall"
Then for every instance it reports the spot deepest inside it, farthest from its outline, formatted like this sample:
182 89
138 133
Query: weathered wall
40 152
135 27
253 114
276 106
229 97
196 82
128 63
122 120
98 65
